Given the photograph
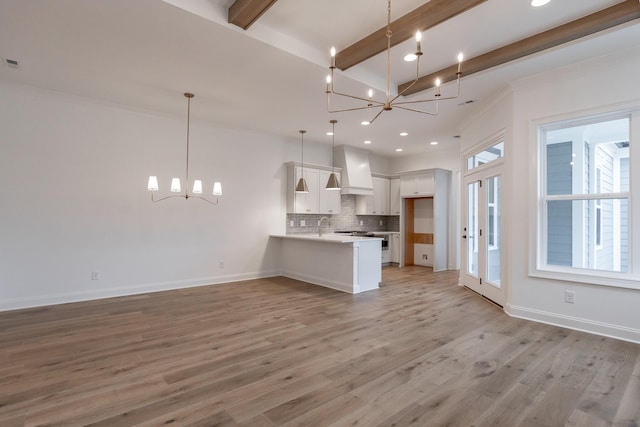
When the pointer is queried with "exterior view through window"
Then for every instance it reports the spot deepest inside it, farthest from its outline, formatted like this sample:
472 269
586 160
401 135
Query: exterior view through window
585 195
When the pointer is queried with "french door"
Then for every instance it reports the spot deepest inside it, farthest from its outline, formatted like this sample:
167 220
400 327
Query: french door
482 234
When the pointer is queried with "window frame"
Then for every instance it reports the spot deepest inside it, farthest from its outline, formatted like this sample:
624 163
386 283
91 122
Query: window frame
537 259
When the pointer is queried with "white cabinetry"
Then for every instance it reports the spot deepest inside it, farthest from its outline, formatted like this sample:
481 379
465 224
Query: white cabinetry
418 184
394 197
307 202
329 200
394 248
425 221
378 204
318 200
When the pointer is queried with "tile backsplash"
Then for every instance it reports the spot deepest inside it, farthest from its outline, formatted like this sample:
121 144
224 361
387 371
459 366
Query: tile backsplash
346 220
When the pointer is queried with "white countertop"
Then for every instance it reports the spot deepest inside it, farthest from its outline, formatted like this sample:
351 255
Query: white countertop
329 237
384 233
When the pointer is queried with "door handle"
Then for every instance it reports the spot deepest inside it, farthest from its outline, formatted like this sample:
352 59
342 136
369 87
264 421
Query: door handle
464 237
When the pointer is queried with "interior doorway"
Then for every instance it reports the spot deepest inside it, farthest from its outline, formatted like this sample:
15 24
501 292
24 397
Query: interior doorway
418 231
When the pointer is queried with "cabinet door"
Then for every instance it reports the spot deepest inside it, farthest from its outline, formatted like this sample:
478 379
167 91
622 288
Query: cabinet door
308 202
380 196
394 248
329 200
408 186
425 184
394 197
383 207
365 205
417 185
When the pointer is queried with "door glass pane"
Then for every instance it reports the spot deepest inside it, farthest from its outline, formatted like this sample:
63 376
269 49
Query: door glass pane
493 230
472 228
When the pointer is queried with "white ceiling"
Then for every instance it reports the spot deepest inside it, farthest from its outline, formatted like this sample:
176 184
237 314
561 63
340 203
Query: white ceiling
144 54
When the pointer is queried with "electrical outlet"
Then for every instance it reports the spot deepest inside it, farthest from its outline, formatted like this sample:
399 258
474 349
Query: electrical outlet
291 224
425 256
569 297
361 222
221 264
303 223
95 275
380 222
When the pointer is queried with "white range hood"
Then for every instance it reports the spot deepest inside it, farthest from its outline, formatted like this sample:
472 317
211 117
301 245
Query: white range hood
356 170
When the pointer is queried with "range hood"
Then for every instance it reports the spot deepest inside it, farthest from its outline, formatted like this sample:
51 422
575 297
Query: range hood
356 171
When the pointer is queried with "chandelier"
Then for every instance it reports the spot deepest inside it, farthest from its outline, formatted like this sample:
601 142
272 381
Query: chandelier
152 185
390 102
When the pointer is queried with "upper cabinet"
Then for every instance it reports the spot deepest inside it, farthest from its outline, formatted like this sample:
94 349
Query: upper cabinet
417 184
318 200
329 200
394 196
378 204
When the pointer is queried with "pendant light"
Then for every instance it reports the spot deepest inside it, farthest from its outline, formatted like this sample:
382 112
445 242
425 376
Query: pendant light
332 182
302 184
153 187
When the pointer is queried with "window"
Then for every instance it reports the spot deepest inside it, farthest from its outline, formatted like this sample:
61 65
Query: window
584 198
487 155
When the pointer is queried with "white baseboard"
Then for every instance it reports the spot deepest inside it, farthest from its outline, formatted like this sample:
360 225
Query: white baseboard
584 325
344 287
63 298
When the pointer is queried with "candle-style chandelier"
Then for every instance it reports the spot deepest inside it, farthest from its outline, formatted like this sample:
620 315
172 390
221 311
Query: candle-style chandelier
389 103
152 185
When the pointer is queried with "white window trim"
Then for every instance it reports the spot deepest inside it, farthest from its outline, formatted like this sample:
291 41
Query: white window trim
478 148
629 279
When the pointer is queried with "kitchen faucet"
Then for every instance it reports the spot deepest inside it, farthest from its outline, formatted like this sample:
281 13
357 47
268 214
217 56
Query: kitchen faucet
320 225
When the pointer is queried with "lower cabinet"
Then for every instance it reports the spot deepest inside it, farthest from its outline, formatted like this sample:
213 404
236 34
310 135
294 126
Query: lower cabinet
394 248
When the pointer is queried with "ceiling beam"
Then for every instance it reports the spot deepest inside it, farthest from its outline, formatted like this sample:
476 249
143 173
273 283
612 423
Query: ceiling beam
243 13
615 15
422 18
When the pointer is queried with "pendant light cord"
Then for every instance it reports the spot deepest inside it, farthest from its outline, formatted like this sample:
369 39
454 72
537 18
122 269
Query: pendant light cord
189 96
302 132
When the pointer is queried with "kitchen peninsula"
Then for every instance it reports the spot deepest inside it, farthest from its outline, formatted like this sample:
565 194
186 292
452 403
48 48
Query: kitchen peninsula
346 263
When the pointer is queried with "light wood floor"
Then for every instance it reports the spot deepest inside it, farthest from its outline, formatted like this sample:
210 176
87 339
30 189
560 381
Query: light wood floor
276 352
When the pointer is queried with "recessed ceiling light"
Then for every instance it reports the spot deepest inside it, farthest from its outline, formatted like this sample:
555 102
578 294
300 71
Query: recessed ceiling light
410 57
398 149
403 134
434 143
538 3
367 142
365 123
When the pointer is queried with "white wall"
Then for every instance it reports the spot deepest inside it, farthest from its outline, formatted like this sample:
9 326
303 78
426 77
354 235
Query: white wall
582 87
443 159
73 176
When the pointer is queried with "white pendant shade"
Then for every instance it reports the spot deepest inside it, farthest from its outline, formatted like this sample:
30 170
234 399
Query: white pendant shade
197 187
153 183
217 188
175 185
